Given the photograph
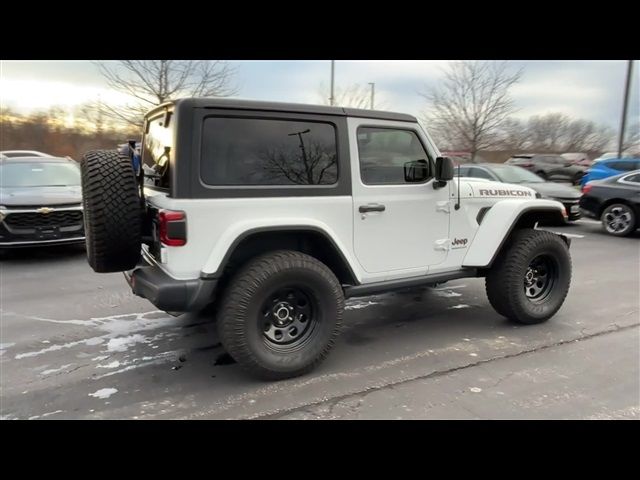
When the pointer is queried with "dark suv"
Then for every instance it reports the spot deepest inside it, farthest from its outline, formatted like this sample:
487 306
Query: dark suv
550 167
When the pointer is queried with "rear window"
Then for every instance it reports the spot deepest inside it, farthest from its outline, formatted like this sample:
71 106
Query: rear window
623 166
157 147
252 151
39 175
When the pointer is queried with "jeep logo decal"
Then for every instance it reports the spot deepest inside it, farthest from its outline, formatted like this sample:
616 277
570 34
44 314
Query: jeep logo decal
504 193
459 243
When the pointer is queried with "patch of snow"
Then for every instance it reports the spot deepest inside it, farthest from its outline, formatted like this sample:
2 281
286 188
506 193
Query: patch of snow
35 417
122 344
448 293
103 393
54 370
359 305
114 364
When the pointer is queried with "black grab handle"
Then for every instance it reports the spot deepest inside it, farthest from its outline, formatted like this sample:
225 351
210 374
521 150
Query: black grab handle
371 208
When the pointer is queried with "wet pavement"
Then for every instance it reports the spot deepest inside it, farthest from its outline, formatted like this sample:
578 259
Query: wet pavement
75 344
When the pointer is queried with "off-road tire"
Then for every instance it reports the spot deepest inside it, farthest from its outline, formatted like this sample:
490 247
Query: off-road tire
505 281
240 315
112 211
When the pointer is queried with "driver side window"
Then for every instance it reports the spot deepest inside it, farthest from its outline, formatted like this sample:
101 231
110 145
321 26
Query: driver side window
386 153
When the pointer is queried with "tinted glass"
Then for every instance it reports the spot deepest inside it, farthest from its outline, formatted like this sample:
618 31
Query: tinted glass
39 175
157 149
633 178
248 151
384 152
622 166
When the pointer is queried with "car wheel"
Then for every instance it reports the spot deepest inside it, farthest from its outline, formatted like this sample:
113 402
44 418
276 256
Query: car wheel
112 211
280 314
618 219
530 279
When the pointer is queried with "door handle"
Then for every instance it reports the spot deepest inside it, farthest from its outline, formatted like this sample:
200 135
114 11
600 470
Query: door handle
372 207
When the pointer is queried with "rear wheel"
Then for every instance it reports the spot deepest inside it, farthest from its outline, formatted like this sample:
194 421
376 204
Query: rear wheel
530 279
281 314
112 211
618 219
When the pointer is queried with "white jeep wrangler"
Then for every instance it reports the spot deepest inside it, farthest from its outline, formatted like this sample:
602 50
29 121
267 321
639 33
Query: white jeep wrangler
275 213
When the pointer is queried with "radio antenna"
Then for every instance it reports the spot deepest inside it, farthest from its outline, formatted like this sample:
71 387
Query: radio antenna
457 205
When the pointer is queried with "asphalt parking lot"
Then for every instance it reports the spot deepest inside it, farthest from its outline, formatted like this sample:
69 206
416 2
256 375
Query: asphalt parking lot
79 345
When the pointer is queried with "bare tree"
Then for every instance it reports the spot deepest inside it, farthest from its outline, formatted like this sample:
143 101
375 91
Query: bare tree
514 135
558 133
547 131
631 141
312 166
152 82
471 104
353 96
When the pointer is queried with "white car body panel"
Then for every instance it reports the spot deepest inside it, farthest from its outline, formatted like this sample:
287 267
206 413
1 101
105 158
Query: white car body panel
495 227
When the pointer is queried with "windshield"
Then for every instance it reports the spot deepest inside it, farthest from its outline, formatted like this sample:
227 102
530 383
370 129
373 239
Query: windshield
39 175
512 174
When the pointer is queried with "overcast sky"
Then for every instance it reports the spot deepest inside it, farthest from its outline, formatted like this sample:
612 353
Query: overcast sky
587 89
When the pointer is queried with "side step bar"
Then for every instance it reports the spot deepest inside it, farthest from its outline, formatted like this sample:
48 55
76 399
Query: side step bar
390 285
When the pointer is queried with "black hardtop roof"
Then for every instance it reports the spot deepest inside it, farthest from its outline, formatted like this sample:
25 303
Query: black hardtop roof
238 104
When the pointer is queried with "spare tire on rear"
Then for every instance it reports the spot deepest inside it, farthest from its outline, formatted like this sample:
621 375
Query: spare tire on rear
112 211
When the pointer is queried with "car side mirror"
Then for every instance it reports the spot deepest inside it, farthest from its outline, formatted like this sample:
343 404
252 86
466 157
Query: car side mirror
416 171
444 169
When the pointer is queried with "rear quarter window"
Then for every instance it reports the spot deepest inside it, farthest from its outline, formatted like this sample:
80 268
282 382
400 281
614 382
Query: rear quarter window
259 151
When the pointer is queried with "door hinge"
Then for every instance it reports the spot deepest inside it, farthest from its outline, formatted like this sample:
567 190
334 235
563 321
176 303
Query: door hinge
443 206
442 245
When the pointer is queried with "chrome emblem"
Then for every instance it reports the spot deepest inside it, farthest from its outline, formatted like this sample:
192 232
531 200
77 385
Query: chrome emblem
45 210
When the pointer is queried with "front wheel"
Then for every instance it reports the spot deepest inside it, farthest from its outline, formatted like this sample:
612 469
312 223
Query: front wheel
281 314
530 279
618 219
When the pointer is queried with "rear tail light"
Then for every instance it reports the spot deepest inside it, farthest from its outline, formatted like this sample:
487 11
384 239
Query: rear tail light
526 165
586 188
172 227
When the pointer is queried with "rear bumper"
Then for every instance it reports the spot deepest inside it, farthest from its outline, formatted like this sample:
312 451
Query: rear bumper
149 281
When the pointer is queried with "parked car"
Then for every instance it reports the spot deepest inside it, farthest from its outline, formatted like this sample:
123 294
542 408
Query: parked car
605 156
609 168
615 201
275 234
549 167
497 172
578 159
40 202
22 153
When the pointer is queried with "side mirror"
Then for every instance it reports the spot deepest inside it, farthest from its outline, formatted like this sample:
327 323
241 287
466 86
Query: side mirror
444 169
416 171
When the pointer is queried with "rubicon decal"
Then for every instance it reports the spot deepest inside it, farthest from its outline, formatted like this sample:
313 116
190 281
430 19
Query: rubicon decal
459 243
504 193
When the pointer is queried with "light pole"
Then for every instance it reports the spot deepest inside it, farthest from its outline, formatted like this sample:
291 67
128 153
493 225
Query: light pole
333 65
624 108
373 92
